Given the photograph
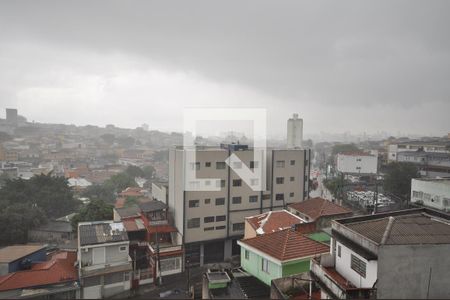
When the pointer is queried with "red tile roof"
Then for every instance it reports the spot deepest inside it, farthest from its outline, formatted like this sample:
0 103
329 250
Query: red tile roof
273 221
134 224
286 245
60 268
318 207
161 228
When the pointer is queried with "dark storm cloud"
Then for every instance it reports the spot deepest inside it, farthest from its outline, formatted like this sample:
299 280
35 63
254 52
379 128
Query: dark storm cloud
386 55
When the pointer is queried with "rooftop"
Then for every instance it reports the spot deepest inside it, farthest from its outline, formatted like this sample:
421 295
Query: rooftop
58 269
153 205
134 224
273 221
414 226
356 153
318 207
435 180
91 233
286 245
130 211
12 253
55 226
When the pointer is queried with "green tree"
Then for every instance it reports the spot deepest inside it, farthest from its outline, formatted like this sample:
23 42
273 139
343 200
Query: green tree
120 181
149 171
397 179
339 148
134 171
95 210
131 200
103 192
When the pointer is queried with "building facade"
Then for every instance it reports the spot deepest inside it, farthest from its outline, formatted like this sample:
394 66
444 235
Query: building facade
295 132
430 164
357 163
211 222
434 193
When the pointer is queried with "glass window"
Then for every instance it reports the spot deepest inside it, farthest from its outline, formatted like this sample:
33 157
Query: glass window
207 201
194 203
280 180
237 200
221 218
292 162
237 182
208 219
220 201
238 226
208 164
220 227
220 183
220 165
208 228
339 251
247 254
291 195
292 178
358 265
123 249
279 197
279 164
265 265
253 199
195 166
193 223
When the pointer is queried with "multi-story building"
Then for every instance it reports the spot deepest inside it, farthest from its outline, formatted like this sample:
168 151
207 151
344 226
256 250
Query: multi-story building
396 255
104 264
357 163
430 164
211 222
437 146
434 193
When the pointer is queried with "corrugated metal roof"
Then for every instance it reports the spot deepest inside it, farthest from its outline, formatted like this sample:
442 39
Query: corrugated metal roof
97 233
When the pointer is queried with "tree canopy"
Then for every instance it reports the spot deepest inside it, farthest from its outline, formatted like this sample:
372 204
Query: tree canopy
95 210
397 179
339 148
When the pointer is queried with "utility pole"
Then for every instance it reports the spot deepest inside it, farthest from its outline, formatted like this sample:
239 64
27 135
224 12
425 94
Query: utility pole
188 279
158 270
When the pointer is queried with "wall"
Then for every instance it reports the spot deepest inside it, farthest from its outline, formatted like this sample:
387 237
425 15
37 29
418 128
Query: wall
34 257
438 191
404 271
343 267
112 254
253 265
296 267
364 164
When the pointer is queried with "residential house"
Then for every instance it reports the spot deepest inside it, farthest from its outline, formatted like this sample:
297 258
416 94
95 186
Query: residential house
434 193
52 278
279 254
269 222
320 211
104 264
56 232
17 257
395 255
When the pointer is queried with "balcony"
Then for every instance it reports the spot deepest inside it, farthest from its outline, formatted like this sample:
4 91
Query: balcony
170 243
334 284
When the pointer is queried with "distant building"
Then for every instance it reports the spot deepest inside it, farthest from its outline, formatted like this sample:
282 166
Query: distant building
357 163
270 222
104 264
11 116
211 222
319 211
279 254
18 257
434 193
57 232
295 132
430 164
53 277
396 255
437 146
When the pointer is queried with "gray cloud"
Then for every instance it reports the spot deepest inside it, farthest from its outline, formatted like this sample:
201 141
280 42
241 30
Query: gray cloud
383 59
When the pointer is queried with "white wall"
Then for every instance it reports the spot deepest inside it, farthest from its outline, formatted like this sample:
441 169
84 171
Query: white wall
343 267
364 164
435 194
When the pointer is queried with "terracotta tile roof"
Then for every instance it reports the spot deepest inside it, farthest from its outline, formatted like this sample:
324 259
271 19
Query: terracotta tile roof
134 224
161 228
404 230
60 268
286 244
120 202
12 253
318 207
273 221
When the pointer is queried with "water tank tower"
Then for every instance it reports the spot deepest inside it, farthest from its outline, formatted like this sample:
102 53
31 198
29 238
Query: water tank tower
294 132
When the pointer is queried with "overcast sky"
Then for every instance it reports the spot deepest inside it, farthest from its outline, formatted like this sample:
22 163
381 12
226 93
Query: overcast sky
342 65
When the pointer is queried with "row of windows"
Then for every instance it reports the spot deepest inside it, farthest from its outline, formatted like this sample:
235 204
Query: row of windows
220 165
238 200
195 222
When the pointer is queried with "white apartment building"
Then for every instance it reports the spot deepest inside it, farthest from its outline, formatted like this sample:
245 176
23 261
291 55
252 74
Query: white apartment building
434 193
427 146
103 261
396 255
211 222
357 163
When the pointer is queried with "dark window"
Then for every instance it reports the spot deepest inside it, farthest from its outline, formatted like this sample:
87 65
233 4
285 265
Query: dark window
208 219
246 254
266 197
114 278
220 201
91 281
253 164
220 165
221 183
279 164
195 166
237 200
207 201
238 226
279 197
208 228
193 223
280 180
194 203
291 195
253 199
358 265
292 162
237 182
221 218
220 227
208 164
339 250
292 178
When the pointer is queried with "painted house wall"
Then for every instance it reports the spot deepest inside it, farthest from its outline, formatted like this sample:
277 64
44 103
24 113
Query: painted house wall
296 267
34 257
344 268
253 265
